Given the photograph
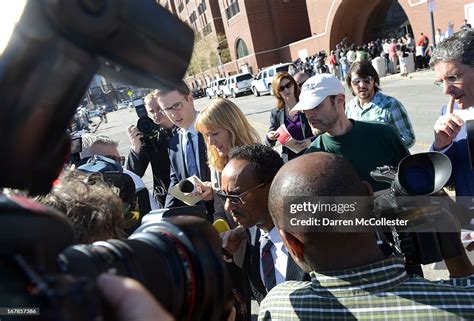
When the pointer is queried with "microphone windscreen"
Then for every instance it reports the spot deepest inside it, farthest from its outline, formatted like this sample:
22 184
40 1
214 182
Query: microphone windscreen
221 226
186 186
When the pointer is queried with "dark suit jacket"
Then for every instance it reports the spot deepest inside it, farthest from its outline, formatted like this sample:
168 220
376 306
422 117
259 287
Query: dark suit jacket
178 170
252 269
277 117
155 154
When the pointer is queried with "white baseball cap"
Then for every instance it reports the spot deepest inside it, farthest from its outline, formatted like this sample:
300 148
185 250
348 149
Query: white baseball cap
316 89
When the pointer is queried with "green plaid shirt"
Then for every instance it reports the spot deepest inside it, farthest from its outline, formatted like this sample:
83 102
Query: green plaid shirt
379 291
384 109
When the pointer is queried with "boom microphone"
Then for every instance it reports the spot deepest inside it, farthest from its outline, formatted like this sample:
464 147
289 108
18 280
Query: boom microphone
186 186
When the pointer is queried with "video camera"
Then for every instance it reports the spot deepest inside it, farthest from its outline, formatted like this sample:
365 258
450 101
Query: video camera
55 49
145 124
415 195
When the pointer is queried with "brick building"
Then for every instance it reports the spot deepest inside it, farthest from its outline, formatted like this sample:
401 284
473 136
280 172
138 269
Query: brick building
264 32
259 30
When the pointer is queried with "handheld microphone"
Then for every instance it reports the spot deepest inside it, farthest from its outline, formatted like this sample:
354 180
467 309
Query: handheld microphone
221 226
186 186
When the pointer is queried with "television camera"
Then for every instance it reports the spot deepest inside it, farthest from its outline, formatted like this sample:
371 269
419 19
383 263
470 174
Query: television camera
416 196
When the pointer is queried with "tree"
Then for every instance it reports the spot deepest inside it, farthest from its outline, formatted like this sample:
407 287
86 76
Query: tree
206 53
224 51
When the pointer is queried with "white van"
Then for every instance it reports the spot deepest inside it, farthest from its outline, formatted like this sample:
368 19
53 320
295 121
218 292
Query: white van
262 84
237 84
213 90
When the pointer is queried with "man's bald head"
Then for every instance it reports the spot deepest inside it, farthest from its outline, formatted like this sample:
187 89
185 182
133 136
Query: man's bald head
301 77
320 249
312 175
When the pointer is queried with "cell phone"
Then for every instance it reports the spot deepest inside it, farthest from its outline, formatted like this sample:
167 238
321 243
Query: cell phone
140 109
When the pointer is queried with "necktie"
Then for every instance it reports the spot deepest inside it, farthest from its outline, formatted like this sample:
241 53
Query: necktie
268 266
191 165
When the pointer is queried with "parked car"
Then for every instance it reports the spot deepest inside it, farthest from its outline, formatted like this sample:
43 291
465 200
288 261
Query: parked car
213 90
262 83
237 84
198 93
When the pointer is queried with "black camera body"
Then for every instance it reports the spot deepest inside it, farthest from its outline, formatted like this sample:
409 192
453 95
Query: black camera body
145 124
415 196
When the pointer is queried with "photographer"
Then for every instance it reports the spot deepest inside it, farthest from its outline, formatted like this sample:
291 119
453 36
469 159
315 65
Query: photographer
152 149
350 277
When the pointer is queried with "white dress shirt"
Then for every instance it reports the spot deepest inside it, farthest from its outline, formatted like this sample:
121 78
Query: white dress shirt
279 255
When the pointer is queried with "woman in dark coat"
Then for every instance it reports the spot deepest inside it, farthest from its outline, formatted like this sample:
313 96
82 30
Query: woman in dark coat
287 92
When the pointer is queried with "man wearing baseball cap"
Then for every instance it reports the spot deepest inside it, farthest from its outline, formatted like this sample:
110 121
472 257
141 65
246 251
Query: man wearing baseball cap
365 145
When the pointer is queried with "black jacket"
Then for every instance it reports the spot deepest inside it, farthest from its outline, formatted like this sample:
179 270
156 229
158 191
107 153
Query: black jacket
277 117
155 154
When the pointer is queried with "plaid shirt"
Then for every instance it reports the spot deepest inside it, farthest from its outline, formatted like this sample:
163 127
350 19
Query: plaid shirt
384 109
379 291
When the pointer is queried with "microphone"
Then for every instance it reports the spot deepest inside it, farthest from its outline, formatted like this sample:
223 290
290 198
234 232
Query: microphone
186 186
221 226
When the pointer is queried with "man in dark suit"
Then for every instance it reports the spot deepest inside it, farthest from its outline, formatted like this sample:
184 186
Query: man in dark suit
187 150
246 181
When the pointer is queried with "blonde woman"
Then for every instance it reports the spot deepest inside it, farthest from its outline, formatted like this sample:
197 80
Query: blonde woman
223 126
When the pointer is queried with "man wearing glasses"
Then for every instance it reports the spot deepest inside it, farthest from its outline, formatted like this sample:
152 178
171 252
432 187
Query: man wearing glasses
453 61
369 104
246 181
187 149
152 149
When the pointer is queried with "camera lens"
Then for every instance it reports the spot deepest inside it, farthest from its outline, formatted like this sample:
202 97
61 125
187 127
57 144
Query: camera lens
418 180
178 259
146 125
422 174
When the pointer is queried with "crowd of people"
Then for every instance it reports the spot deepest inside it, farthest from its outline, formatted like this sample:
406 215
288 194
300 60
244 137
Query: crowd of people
399 54
329 149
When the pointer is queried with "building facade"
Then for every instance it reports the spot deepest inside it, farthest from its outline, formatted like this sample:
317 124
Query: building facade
260 33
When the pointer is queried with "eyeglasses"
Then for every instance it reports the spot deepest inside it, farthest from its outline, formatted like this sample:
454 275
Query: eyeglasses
287 86
118 159
450 80
366 80
236 199
175 107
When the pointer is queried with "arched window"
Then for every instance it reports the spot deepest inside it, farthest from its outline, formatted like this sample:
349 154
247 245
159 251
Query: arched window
242 50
